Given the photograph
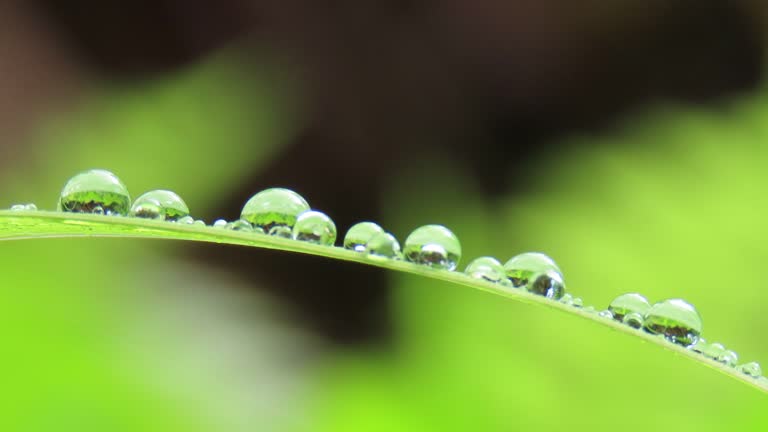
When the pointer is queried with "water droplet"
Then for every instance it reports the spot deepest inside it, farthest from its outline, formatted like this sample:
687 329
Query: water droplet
713 350
433 245
627 303
186 220
280 231
548 284
521 268
699 346
359 234
199 222
632 319
578 302
276 207
240 225
728 358
160 204
605 314
92 190
590 309
23 207
752 369
676 319
315 227
383 245
486 268
567 299
219 223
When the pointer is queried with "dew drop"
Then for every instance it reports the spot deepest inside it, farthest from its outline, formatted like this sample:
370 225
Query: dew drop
628 303
23 207
315 227
632 319
728 358
186 220
589 309
434 246
521 268
713 350
578 302
605 314
548 284
359 235
280 231
219 223
699 346
752 369
383 245
240 225
276 207
676 319
199 222
567 299
89 191
486 268
160 204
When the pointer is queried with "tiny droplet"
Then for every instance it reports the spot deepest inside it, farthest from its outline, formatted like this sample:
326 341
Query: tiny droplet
752 369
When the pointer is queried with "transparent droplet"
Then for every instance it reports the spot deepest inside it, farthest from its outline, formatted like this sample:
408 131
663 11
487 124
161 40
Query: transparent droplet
567 299
521 268
219 223
199 222
89 190
240 225
627 303
548 284
752 369
170 206
605 314
186 220
713 350
590 309
18 207
276 207
280 231
676 319
31 207
699 346
359 234
578 302
632 319
728 358
486 268
315 227
383 245
433 245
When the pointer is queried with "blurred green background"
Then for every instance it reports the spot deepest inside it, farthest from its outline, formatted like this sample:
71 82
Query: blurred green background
124 335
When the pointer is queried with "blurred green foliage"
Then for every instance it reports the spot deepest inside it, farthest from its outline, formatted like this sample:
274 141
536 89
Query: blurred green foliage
669 205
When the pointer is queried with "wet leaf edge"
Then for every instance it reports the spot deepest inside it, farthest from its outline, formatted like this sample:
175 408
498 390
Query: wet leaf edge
18 225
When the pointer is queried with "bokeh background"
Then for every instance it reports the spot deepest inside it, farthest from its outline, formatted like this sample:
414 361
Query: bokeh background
625 139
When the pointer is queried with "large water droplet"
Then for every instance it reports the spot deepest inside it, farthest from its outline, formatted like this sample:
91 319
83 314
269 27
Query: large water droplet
383 245
95 191
359 234
752 369
315 227
433 245
160 204
548 284
627 303
521 268
632 319
486 268
272 208
676 319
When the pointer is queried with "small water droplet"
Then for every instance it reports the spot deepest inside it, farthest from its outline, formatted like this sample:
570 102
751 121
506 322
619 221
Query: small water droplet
94 190
633 319
240 225
548 284
186 220
199 222
219 223
315 227
728 358
627 303
521 268
676 319
433 245
578 302
383 245
359 234
713 350
752 369
567 299
699 346
486 268
160 204
272 208
590 309
31 207
605 314
281 231
23 207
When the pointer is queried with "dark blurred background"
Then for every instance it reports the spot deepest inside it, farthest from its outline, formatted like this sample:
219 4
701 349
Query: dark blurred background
477 103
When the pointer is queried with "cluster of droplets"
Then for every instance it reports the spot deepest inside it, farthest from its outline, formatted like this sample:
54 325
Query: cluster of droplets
284 213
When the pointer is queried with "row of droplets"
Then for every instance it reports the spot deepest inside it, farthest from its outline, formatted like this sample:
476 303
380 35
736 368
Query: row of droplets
284 213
